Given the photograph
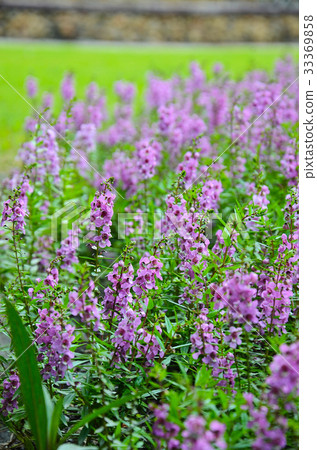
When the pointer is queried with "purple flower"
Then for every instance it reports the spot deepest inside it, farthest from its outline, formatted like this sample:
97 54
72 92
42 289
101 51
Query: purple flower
189 166
197 436
68 88
148 346
10 386
47 101
270 431
164 429
233 339
147 273
49 282
284 373
52 277
167 119
54 339
15 208
85 305
92 92
126 91
147 161
194 427
197 80
117 298
67 250
125 335
85 139
159 92
31 87
101 215
44 151
210 195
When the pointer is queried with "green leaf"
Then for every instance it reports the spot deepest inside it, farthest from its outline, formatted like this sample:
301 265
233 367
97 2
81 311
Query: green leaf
150 304
169 326
203 376
31 386
97 413
49 410
68 399
198 278
157 335
55 421
117 433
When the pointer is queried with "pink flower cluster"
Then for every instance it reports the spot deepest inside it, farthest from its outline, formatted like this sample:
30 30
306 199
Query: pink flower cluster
44 151
149 269
196 433
205 340
15 208
267 437
283 381
197 436
277 291
192 243
50 281
189 166
210 195
54 339
67 250
117 297
124 170
205 343
163 429
125 336
68 88
101 215
146 161
148 346
85 138
85 305
237 295
10 386
126 91
31 87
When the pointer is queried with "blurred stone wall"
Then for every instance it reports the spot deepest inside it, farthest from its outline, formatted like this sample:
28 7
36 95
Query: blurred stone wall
173 20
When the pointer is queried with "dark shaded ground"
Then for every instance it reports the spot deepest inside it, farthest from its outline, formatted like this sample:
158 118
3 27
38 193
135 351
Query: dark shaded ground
5 436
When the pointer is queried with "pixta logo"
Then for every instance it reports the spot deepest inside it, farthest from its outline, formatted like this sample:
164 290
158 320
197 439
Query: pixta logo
72 216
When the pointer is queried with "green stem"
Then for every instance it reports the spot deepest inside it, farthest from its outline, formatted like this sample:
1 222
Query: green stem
20 278
248 361
236 361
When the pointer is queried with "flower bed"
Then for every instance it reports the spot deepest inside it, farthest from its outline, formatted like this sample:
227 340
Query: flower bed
149 270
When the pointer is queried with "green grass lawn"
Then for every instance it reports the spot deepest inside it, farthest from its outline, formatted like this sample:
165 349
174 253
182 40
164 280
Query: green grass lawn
105 64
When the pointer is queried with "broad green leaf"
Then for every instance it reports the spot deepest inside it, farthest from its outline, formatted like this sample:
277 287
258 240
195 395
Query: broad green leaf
49 408
55 421
31 386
